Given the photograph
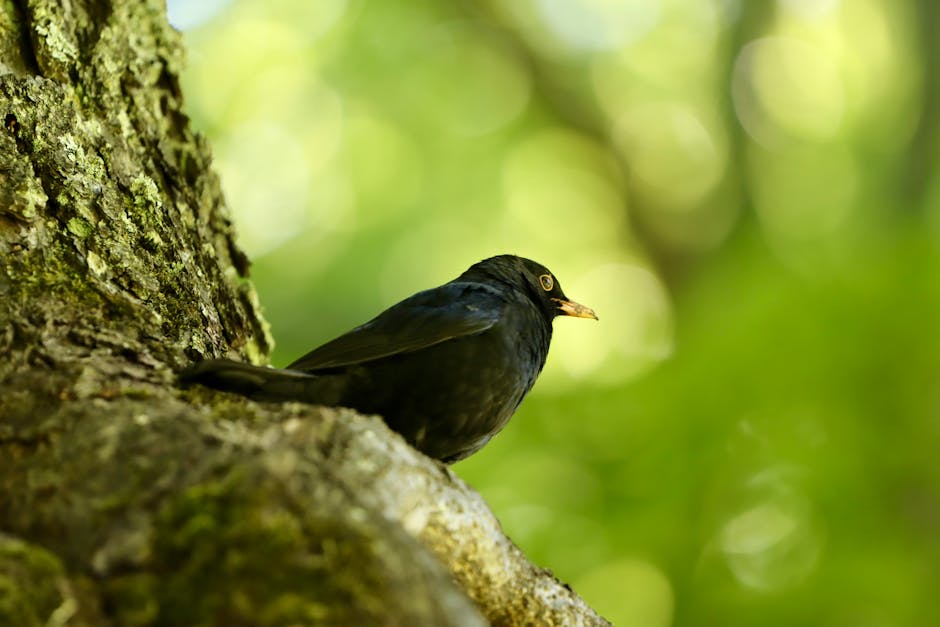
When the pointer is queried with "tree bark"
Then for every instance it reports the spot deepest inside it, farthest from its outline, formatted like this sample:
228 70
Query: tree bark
127 501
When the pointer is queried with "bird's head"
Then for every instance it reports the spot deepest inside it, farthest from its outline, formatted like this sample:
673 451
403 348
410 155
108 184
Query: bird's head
537 282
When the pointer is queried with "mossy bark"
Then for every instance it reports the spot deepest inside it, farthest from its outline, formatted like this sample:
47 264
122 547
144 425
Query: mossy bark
126 501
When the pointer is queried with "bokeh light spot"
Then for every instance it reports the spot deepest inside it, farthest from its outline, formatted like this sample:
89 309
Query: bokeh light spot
633 334
659 64
785 87
560 191
186 14
312 20
268 196
772 544
222 85
669 142
599 24
811 10
322 126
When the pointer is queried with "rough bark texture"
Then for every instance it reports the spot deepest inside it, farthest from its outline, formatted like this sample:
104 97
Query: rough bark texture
126 501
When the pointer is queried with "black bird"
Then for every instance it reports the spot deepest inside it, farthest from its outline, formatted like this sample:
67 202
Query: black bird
445 368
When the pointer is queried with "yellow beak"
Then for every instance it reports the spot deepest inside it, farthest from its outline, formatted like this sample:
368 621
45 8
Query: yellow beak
571 308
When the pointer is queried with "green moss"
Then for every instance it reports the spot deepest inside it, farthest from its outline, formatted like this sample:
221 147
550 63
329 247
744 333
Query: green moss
80 228
34 198
11 35
146 195
259 346
256 353
96 264
153 238
57 47
32 585
215 541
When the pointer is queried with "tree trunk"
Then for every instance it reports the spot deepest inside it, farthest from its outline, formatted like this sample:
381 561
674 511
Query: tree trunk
126 501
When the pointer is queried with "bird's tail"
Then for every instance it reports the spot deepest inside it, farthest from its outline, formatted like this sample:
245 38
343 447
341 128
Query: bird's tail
257 382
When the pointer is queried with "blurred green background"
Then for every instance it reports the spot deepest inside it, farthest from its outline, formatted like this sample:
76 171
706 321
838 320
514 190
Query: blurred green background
745 191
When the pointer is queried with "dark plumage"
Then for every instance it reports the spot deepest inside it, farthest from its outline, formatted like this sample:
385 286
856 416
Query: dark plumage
446 368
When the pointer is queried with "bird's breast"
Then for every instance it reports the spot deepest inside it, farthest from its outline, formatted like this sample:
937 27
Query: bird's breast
449 399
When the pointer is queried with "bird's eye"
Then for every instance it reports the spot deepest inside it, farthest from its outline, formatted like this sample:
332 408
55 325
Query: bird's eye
547 282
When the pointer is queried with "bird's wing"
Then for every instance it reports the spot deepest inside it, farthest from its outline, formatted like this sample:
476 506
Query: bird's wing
443 313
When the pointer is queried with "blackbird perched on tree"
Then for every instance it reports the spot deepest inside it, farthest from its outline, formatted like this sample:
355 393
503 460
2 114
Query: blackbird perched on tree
445 368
